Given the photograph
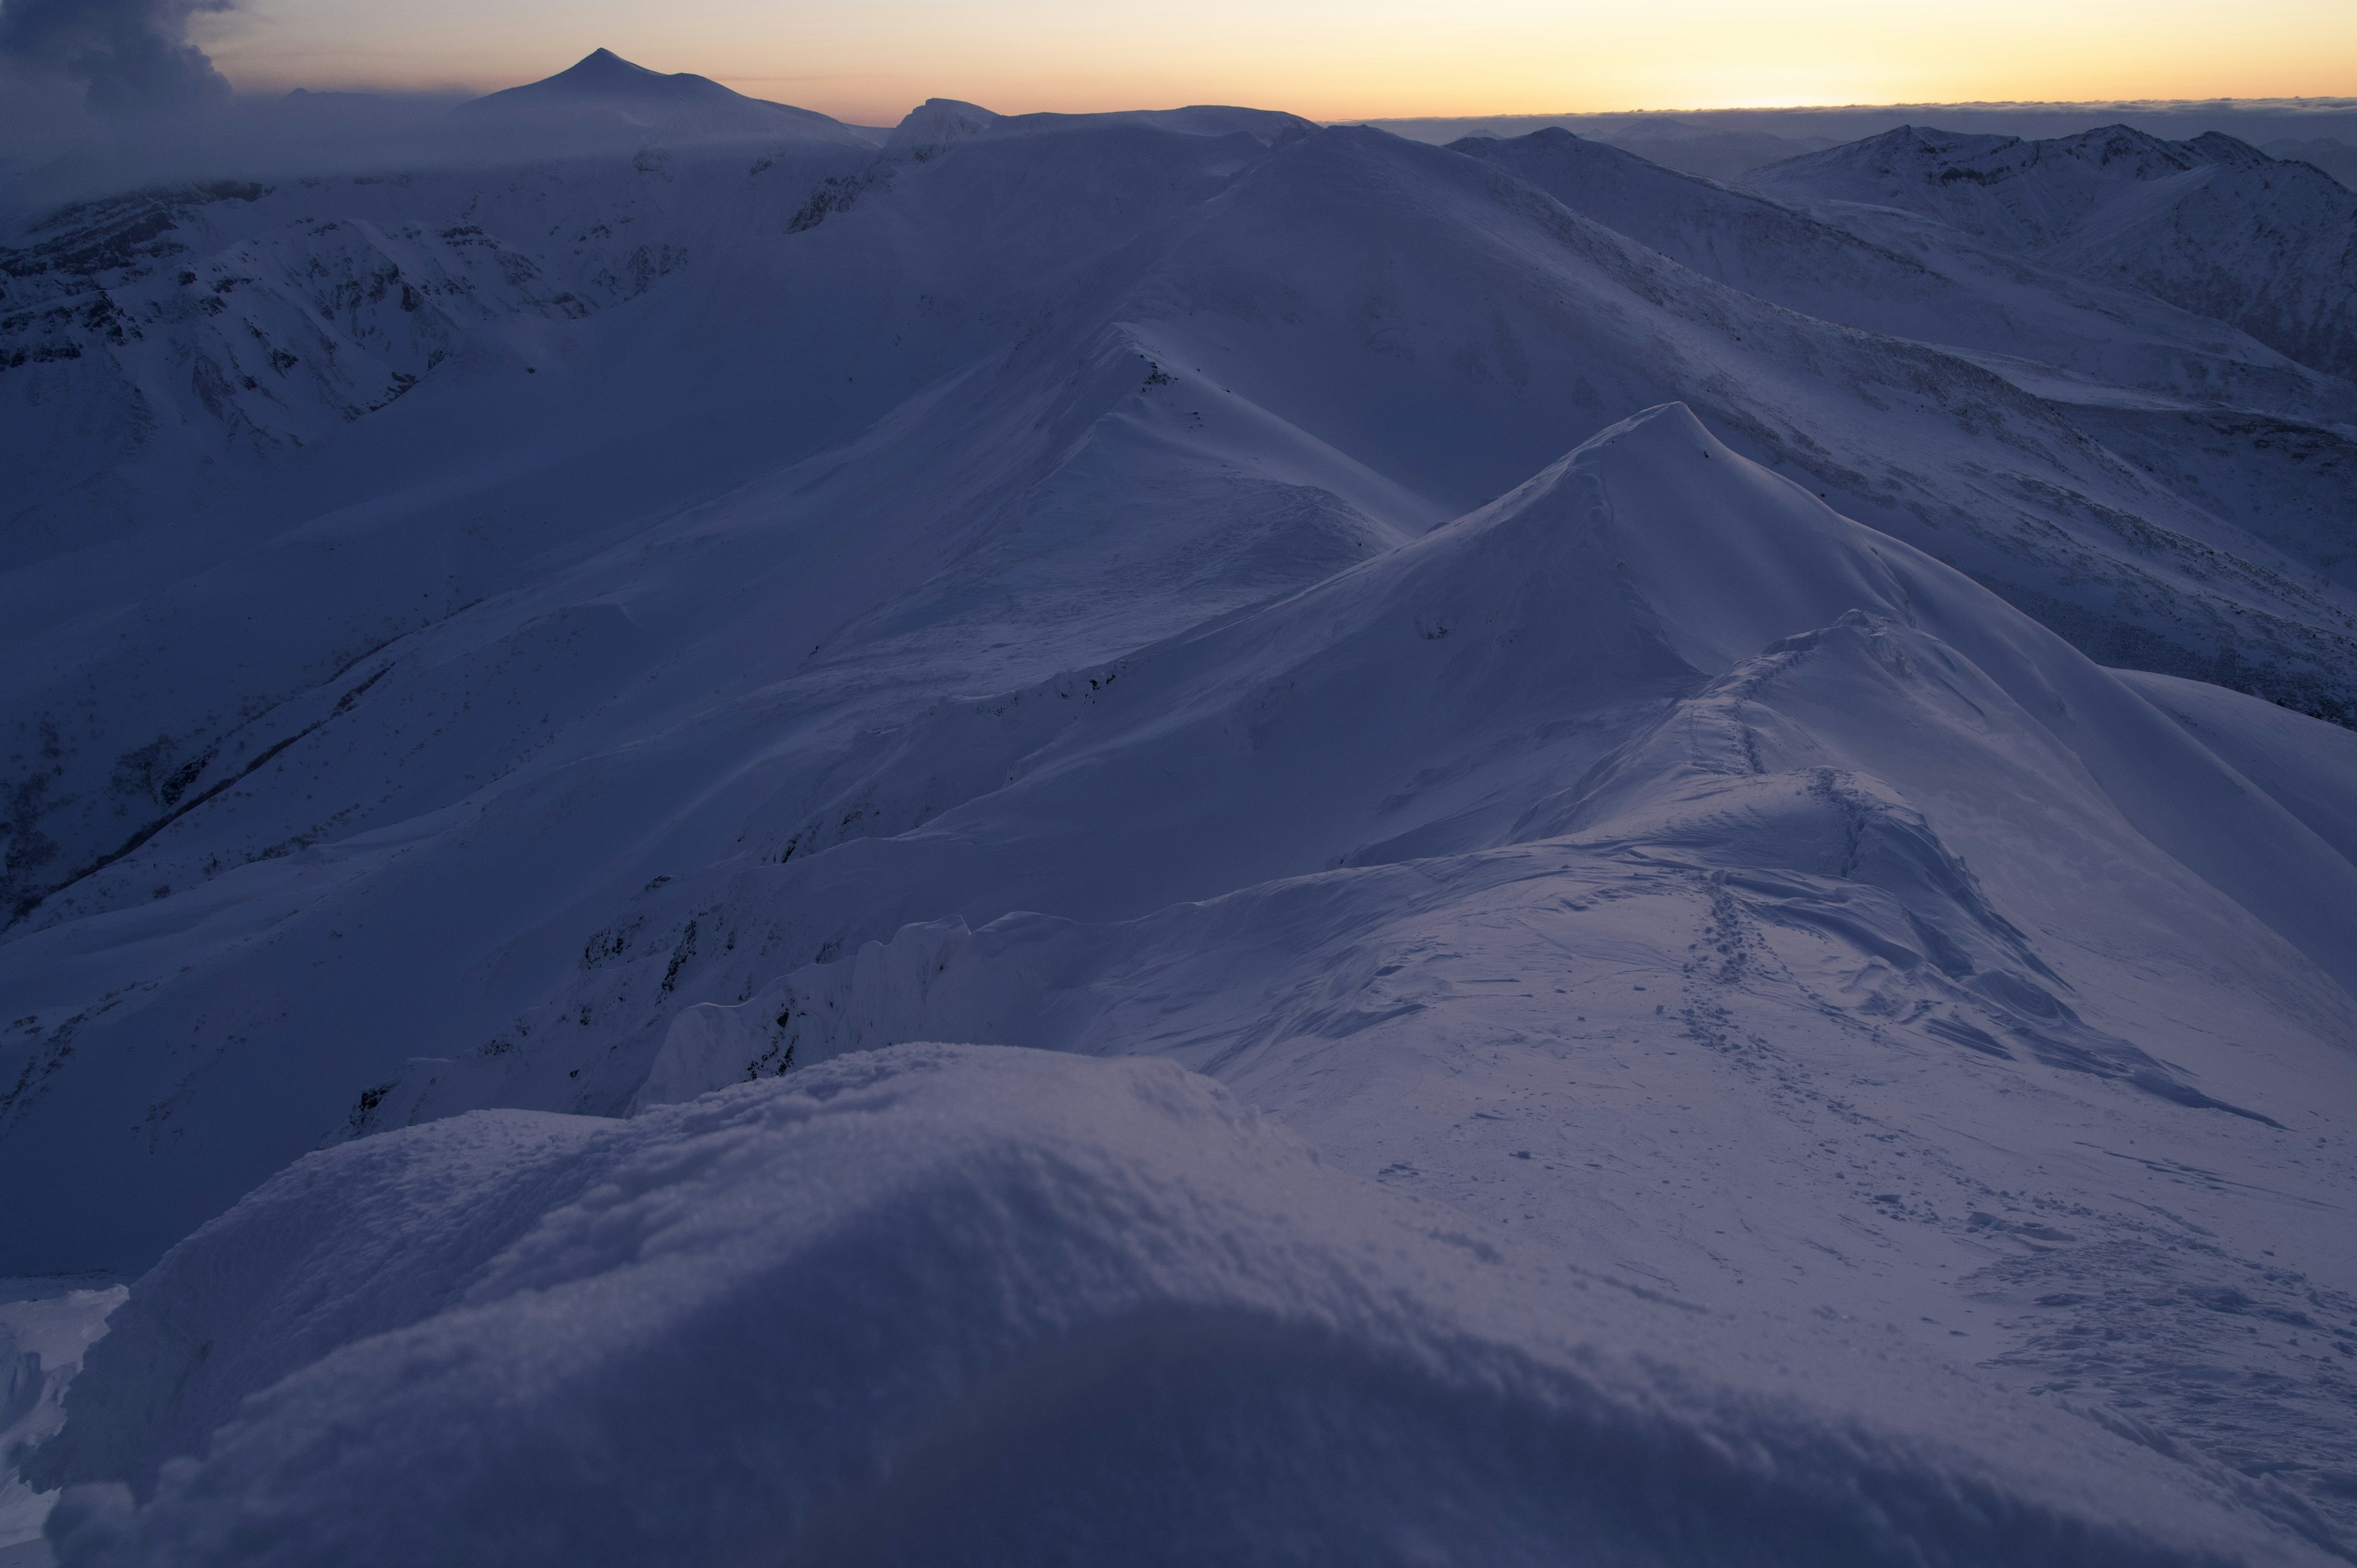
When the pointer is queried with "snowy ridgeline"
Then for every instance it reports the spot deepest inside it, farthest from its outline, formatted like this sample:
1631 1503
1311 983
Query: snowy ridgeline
1567 685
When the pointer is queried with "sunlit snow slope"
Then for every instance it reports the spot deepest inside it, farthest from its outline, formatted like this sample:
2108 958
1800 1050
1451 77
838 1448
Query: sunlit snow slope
1588 695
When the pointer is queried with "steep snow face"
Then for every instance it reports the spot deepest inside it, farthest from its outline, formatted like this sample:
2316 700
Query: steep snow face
605 90
964 1306
2211 225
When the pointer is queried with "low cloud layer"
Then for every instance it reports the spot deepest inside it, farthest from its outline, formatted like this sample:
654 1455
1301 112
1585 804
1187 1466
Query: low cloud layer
134 54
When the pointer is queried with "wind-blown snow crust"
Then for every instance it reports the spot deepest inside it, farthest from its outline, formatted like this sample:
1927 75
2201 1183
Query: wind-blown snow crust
1136 1320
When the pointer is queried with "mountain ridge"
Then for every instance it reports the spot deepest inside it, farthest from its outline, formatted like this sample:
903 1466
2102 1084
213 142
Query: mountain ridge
2117 203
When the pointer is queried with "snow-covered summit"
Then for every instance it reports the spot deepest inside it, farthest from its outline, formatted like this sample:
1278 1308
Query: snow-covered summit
604 90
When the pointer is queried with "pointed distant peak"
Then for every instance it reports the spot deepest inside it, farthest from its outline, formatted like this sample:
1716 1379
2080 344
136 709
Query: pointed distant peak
603 90
604 65
1664 435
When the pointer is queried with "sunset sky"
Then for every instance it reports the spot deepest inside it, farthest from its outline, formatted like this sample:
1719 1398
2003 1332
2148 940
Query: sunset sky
870 60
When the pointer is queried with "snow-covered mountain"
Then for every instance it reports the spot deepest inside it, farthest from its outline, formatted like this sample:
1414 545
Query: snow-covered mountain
1567 685
2234 427
2025 318
2335 156
605 90
2211 225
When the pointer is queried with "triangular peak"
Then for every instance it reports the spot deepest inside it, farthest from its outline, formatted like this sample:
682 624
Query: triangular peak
604 66
2219 147
1662 423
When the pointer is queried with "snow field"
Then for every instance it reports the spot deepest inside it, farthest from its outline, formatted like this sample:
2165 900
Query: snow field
948 1305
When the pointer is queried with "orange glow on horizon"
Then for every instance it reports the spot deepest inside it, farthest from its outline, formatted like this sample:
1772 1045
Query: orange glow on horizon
1378 59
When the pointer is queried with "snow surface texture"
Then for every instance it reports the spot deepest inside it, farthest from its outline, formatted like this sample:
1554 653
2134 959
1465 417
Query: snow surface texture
1567 683
952 1305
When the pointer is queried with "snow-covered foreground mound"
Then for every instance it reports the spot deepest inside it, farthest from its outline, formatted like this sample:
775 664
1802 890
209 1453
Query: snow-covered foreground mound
956 1304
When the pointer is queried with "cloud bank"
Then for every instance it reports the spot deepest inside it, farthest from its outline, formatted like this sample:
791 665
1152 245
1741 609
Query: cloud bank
134 54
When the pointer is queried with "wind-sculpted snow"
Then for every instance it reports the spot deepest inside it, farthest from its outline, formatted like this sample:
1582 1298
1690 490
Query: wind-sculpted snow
956 1304
1579 726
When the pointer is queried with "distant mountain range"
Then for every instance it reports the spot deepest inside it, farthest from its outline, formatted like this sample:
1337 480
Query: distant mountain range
1725 142
2211 225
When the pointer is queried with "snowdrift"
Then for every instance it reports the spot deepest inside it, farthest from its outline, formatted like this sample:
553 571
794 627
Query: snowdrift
945 1304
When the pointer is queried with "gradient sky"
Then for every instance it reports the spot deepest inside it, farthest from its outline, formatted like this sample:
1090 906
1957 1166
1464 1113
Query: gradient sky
870 60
